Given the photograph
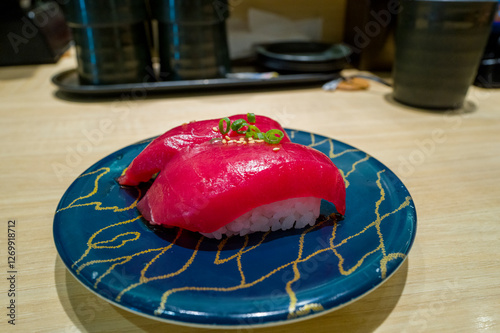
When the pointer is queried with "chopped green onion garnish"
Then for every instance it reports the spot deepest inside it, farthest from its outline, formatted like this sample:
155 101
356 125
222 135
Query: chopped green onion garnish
253 128
251 118
259 136
222 129
238 124
273 136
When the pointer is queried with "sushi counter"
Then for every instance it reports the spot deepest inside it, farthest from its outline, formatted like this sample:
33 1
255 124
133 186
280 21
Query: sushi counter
416 252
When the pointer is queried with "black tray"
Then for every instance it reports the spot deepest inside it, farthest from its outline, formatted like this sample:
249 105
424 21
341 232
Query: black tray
68 82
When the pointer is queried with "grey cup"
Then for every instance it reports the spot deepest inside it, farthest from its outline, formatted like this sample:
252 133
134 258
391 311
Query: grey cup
439 45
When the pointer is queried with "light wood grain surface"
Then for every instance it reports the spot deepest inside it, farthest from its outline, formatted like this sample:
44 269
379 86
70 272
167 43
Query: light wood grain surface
450 162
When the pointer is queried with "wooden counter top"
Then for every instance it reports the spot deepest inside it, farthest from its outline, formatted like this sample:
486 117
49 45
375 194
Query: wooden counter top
450 162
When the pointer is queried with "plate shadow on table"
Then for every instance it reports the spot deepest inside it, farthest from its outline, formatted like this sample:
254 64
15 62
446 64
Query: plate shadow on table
90 313
468 107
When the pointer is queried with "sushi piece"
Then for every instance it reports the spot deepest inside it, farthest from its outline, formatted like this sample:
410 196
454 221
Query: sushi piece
221 189
285 214
152 159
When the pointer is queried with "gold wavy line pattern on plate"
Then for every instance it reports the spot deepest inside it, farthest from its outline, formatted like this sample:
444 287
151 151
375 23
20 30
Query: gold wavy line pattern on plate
120 240
306 309
145 280
333 155
91 245
97 204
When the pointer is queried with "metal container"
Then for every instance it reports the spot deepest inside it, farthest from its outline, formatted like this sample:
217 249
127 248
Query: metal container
192 38
112 40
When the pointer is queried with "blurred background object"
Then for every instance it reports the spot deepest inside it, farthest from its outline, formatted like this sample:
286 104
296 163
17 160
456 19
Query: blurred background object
439 45
303 57
488 74
369 30
32 32
192 38
331 13
112 40
265 27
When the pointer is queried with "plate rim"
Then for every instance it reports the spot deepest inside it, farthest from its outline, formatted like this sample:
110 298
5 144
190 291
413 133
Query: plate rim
311 315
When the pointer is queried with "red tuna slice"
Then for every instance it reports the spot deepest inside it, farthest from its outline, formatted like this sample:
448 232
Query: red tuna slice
159 151
208 186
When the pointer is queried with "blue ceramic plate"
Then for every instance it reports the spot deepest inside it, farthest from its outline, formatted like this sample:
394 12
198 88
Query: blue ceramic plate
261 279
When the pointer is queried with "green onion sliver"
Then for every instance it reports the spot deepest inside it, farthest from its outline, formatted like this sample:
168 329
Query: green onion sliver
238 124
259 136
252 130
224 129
273 136
251 118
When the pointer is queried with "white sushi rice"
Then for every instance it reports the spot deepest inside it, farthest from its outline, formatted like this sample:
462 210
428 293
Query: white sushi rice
286 214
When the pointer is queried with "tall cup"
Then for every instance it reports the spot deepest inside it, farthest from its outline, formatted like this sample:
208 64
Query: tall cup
111 39
439 44
192 38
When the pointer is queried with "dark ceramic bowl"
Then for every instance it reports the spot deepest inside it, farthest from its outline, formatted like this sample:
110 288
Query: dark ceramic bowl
303 57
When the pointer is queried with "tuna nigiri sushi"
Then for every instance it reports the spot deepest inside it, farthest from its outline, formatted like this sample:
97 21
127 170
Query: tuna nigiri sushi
159 151
235 187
